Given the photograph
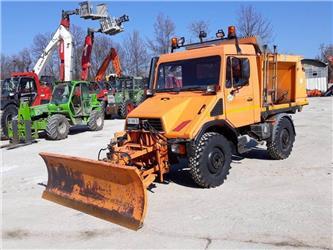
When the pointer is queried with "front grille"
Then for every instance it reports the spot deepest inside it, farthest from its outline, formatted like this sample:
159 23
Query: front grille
156 123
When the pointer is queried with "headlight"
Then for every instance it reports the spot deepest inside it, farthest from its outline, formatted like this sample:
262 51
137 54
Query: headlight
178 149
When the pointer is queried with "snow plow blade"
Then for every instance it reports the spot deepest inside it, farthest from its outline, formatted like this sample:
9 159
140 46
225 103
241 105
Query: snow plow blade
107 191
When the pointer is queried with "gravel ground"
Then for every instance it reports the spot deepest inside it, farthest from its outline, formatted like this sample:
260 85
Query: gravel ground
264 203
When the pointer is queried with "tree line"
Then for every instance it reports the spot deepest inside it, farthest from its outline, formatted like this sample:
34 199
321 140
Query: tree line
134 50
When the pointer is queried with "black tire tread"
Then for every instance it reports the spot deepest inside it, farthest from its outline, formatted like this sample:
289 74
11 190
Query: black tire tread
92 121
194 159
273 145
12 109
123 108
51 127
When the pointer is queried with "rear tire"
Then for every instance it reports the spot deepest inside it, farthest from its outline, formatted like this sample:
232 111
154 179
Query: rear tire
57 127
96 120
210 160
7 115
125 108
280 145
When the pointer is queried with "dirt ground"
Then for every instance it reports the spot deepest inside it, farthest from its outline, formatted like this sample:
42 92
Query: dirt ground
264 203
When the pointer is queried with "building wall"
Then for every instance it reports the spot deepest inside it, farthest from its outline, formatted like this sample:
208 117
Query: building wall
316 77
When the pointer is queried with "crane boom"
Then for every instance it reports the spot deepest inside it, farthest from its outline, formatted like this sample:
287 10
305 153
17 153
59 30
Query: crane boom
114 57
86 54
62 38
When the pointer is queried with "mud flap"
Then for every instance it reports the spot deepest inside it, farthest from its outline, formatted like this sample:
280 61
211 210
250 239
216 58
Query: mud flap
107 191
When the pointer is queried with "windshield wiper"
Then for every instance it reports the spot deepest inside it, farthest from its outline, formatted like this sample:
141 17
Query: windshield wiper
193 88
169 90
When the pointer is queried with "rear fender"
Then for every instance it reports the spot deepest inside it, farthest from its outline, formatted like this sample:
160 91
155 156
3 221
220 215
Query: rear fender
276 118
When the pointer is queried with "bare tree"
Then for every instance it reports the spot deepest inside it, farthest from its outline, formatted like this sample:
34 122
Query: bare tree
252 23
21 61
40 42
6 66
15 63
136 56
78 41
25 59
326 55
101 49
196 26
164 29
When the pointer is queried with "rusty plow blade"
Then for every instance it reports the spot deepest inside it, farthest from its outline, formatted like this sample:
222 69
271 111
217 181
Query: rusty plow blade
107 191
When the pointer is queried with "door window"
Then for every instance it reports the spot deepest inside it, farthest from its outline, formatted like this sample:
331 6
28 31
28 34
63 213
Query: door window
238 72
85 91
27 85
85 97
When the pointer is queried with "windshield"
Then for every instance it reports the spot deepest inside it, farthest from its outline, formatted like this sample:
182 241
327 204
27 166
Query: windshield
187 74
9 85
61 93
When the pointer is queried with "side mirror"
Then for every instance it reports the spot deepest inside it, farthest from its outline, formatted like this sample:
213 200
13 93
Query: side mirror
149 92
211 89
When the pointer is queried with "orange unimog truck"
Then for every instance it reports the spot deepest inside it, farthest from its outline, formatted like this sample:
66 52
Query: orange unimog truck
204 103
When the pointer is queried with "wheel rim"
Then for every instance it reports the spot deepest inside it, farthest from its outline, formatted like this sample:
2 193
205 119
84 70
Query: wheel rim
62 128
9 117
99 121
285 139
216 161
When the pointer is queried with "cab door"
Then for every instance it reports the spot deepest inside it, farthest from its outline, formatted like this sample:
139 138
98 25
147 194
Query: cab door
239 92
85 97
27 90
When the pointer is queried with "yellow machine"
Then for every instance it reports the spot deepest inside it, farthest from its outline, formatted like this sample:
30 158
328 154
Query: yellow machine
204 103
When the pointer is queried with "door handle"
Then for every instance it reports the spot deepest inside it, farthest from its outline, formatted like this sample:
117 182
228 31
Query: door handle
249 99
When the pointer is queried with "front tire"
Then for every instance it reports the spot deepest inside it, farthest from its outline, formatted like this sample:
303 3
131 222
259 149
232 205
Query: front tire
210 160
7 115
96 120
57 127
280 144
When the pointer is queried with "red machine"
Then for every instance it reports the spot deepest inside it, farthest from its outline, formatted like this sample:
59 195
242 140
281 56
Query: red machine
43 92
112 56
86 54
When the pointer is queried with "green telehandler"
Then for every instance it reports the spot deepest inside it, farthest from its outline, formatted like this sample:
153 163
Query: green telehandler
71 104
